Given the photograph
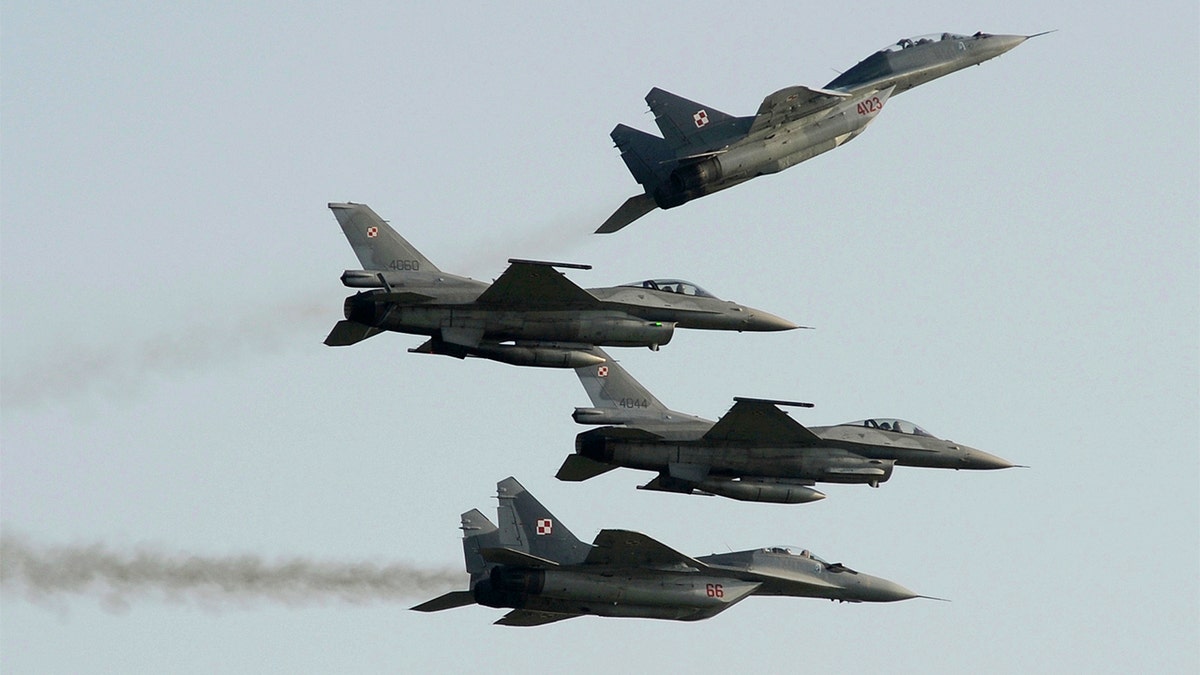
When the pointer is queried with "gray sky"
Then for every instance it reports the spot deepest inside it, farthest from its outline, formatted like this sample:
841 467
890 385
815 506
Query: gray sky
1008 257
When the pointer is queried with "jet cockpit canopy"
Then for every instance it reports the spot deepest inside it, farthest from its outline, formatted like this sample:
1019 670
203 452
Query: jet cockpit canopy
889 424
672 286
797 551
905 43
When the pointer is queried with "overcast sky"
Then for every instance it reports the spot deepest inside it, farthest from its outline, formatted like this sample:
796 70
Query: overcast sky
1008 257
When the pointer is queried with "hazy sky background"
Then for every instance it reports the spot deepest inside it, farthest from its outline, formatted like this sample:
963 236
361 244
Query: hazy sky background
1008 257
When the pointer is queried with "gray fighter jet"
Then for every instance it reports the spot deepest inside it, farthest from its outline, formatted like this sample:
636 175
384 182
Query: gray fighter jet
535 566
531 316
703 150
755 453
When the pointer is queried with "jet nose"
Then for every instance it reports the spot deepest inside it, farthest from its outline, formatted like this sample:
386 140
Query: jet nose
999 44
758 320
875 589
980 460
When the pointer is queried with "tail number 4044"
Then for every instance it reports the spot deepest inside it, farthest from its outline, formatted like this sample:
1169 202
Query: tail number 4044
871 105
714 590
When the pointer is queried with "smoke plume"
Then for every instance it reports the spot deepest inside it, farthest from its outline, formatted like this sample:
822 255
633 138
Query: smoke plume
43 572
124 369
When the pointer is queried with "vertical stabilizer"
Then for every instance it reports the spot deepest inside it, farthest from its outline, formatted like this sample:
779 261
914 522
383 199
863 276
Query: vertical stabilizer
611 386
691 127
478 533
527 526
376 244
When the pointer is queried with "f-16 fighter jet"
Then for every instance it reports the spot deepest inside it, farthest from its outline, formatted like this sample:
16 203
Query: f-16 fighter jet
703 150
531 316
535 566
755 453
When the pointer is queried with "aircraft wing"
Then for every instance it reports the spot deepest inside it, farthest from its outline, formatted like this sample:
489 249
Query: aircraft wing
622 548
526 617
759 422
530 284
792 103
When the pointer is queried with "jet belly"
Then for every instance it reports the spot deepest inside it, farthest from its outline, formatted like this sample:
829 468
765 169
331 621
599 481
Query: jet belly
827 465
609 328
690 590
667 595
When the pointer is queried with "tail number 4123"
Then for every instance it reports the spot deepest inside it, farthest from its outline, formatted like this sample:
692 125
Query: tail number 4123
871 105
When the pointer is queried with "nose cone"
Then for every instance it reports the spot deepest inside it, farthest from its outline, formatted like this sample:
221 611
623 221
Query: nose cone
995 45
982 461
758 320
876 589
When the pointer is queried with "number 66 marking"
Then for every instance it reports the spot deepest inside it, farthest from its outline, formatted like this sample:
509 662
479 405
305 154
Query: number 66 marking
714 590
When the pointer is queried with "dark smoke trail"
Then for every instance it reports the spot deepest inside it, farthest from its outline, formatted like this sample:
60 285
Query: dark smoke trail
125 368
42 572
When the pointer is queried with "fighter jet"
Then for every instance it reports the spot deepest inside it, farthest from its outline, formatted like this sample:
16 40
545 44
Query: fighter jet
755 453
703 150
531 316
533 565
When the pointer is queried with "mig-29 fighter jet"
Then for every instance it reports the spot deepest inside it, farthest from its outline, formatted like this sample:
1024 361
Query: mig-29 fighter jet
703 150
755 453
531 316
533 565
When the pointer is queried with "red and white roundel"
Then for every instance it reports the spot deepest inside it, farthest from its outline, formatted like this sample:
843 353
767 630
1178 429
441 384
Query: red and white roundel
602 371
544 526
372 232
701 118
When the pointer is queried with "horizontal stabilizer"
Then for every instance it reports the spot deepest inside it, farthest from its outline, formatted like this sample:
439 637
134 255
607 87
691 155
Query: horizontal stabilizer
635 207
579 468
511 556
347 332
448 601
528 617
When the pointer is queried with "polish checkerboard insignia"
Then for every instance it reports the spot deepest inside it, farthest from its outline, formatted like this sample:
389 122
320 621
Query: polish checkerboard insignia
372 232
602 371
701 118
544 526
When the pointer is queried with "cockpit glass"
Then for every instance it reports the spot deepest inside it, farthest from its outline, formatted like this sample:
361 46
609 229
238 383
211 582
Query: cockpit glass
889 424
906 43
797 551
672 286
